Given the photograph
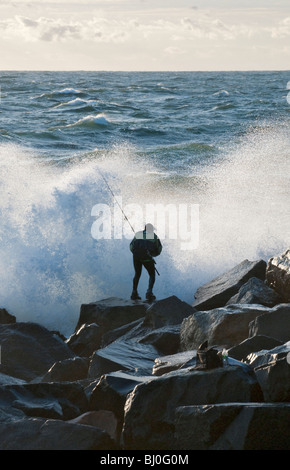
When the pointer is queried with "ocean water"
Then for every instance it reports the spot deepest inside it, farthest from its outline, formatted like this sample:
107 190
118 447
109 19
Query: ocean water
216 141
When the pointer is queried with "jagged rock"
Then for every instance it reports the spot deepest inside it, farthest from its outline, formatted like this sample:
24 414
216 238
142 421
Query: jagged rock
169 311
274 379
8 380
123 355
165 364
102 419
128 331
253 344
278 275
255 291
28 350
111 393
227 326
42 434
86 340
6 317
69 370
274 323
237 426
150 408
46 400
265 357
218 292
165 340
111 313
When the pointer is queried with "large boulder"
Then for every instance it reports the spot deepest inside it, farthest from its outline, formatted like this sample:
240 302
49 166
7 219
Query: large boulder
111 393
219 291
85 340
226 326
180 360
111 313
233 426
45 400
42 434
168 311
274 379
127 355
268 356
28 350
253 344
68 370
255 291
278 275
274 323
6 317
150 408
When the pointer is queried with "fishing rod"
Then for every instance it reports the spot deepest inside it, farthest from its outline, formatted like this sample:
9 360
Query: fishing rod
125 217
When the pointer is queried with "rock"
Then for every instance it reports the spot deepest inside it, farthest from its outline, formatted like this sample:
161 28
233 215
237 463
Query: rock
28 350
86 340
169 311
103 419
274 323
128 331
123 355
278 275
165 340
69 370
41 434
6 317
111 313
236 426
227 326
255 291
150 408
265 357
253 344
111 393
8 380
218 292
46 400
274 380
165 364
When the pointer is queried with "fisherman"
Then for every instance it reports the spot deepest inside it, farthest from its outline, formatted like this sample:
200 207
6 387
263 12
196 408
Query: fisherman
144 246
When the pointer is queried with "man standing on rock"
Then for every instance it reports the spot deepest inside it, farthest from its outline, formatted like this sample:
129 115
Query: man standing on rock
144 246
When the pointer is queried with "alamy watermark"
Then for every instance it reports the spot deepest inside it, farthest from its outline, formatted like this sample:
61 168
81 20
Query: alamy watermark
172 221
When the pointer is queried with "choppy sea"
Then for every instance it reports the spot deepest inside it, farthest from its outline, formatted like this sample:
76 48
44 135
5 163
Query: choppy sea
74 142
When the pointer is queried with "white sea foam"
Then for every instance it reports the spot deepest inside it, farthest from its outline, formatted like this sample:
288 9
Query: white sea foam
90 121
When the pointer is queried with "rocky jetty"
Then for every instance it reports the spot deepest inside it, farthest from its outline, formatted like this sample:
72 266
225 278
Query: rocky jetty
135 376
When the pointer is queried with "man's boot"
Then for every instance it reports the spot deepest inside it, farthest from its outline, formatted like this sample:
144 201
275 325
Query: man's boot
150 296
135 295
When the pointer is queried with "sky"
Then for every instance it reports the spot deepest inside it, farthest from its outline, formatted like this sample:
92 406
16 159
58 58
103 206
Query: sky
145 35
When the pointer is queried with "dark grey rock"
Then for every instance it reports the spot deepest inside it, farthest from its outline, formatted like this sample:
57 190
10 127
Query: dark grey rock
46 400
28 350
267 356
127 355
255 291
218 292
68 370
166 340
150 408
111 313
274 379
168 311
86 340
253 344
6 317
181 360
226 326
41 434
233 426
274 323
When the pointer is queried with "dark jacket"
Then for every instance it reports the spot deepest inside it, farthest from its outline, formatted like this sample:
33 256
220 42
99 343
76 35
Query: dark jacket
145 245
